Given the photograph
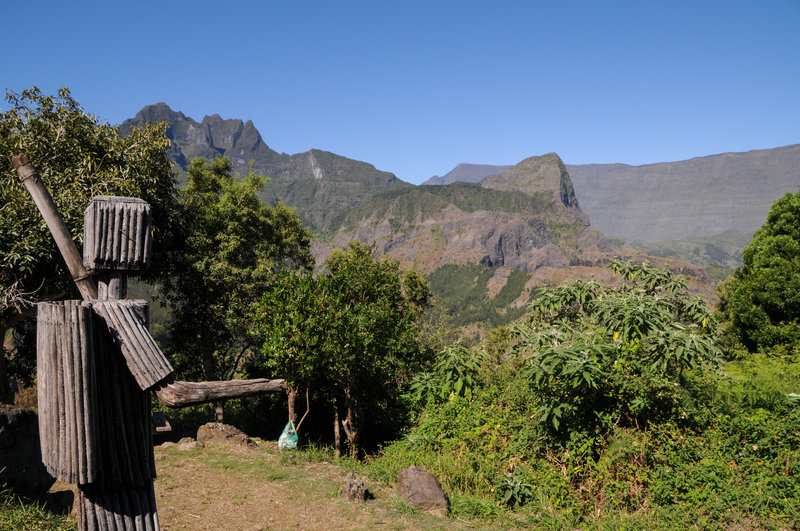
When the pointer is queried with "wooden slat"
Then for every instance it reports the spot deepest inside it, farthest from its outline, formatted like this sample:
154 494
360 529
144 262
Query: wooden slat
120 509
118 234
67 394
144 359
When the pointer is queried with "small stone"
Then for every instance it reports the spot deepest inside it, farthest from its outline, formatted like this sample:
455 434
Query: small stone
190 445
353 489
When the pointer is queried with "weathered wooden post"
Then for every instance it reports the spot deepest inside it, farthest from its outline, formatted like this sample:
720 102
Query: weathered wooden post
96 363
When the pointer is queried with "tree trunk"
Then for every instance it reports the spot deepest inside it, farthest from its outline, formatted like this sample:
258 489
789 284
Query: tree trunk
292 400
219 411
350 424
351 429
6 397
176 393
337 435
210 374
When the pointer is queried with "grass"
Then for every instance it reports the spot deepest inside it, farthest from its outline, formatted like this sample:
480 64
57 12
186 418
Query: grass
19 514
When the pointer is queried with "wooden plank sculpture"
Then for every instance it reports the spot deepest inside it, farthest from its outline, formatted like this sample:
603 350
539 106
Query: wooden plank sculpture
97 363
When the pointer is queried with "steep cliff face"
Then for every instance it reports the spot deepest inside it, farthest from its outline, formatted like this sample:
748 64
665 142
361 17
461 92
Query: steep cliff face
545 173
699 197
524 218
496 239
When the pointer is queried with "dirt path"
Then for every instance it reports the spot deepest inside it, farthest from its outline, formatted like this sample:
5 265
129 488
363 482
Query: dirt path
221 487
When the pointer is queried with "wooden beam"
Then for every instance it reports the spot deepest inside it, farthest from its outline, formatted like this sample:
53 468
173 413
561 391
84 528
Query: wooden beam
44 202
174 393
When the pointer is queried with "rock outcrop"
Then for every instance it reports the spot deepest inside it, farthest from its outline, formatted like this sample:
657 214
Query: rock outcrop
353 489
216 432
537 175
21 467
320 184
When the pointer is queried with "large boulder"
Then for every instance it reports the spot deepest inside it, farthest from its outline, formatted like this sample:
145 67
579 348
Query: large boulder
419 488
217 432
21 467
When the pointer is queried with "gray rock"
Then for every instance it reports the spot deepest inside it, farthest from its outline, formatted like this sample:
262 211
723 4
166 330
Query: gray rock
353 489
21 467
419 488
224 434
190 444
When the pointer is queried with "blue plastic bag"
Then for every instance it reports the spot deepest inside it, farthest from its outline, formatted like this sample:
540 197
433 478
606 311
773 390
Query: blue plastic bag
288 438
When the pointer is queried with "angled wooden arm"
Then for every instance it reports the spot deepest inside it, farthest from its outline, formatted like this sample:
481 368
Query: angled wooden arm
176 393
44 202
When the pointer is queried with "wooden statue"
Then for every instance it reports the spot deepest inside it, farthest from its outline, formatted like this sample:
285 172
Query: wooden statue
97 362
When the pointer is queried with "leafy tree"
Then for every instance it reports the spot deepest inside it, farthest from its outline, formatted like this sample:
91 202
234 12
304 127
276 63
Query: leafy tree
761 301
77 158
352 332
376 330
231 245
295 319
599 356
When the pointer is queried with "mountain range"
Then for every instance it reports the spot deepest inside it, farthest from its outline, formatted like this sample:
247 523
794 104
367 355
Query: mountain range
525 218
540 217
698 198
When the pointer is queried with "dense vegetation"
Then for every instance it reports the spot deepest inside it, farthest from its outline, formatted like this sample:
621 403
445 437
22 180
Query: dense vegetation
230 246
762 298
462 290
609 405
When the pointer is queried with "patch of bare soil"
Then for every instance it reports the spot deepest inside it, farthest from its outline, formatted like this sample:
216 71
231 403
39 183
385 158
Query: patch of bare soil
222 487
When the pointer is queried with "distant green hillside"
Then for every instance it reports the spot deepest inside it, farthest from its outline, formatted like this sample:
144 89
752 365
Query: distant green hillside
406 206
464 291
485 246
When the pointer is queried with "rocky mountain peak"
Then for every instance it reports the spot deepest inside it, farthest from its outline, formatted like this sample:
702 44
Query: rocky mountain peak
159 112
535 175
212 137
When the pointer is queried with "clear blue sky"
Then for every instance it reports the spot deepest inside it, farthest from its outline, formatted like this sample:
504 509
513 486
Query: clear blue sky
415 87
